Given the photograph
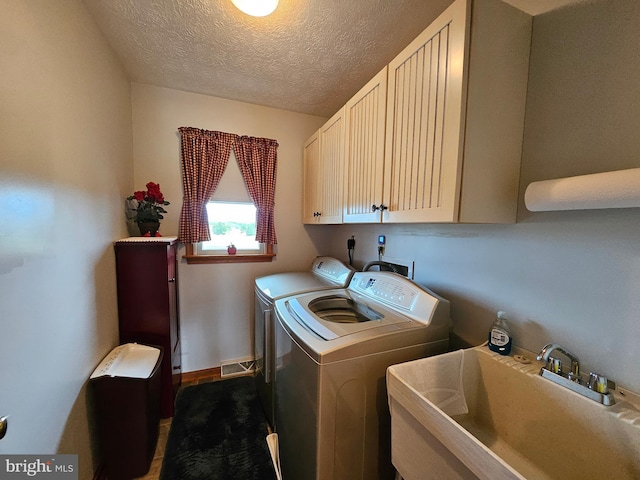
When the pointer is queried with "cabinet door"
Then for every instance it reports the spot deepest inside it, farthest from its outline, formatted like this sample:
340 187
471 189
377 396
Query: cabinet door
148 305
143 289
425 122
332 160
365 122
311 165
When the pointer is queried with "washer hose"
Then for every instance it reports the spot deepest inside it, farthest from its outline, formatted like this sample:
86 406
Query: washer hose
389 267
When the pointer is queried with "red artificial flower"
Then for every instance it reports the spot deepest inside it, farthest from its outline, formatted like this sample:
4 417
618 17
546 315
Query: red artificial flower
153 191
150 204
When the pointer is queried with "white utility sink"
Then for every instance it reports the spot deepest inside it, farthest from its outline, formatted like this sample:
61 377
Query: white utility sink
517 424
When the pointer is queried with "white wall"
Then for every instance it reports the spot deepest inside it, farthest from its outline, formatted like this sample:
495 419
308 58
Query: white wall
65 167
568 277
216 301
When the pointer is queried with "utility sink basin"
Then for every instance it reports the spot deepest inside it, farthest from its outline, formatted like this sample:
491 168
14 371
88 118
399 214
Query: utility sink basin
475 414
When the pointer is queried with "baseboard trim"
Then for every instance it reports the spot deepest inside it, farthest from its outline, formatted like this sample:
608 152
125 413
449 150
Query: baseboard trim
188 377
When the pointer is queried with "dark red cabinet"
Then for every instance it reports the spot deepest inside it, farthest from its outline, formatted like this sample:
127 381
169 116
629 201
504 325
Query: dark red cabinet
148 304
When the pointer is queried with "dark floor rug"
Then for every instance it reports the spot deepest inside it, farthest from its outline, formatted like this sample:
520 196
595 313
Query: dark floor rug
218 431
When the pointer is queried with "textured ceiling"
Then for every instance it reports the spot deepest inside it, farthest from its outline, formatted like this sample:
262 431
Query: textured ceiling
309 56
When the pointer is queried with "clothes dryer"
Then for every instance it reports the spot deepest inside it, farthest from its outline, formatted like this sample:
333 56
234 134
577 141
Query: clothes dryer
333 349
325 273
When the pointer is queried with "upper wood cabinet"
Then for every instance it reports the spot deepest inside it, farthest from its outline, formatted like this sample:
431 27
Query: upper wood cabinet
437 135
455 117
311 165
365 120
324 161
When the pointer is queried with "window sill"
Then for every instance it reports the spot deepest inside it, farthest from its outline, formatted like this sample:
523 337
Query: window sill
193 259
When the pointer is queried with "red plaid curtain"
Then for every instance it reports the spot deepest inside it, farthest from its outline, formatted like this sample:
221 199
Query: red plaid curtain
257 159
205 155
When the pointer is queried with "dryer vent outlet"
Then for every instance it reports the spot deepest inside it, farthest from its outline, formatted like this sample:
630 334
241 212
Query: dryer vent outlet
235 368
399 265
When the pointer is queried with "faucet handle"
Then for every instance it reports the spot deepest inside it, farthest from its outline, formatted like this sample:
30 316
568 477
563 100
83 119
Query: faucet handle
600 383
603 384
554 365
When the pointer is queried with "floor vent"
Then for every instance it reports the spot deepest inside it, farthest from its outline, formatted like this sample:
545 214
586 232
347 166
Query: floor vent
236 368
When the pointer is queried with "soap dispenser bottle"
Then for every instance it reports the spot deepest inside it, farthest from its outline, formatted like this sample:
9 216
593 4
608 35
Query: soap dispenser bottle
500 336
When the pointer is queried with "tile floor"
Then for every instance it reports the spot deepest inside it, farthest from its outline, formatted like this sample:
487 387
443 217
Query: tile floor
165 424
156 463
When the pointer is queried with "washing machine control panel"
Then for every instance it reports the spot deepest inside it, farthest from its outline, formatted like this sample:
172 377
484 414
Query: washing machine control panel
386 289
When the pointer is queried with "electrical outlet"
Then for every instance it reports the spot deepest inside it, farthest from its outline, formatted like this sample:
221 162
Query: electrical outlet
351 242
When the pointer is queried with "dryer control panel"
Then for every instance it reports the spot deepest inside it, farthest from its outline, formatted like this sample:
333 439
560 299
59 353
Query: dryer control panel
332 269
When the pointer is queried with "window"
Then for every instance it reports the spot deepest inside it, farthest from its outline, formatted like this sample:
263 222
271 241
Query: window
256 158
231 223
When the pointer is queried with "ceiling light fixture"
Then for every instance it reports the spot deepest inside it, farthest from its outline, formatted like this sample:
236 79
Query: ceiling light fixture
256 8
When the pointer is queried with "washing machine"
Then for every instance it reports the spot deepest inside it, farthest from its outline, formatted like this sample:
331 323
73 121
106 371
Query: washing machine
333 349
325 273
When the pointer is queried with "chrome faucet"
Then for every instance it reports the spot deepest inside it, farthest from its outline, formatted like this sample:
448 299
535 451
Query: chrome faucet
596 388
549 348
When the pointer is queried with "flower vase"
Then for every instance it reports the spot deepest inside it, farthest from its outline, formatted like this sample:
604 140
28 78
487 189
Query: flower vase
150 227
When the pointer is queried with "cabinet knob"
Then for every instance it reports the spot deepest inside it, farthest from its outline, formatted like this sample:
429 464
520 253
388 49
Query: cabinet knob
172 280
382 207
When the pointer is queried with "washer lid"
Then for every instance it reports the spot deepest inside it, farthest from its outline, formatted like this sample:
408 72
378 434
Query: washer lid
340 314
284 284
